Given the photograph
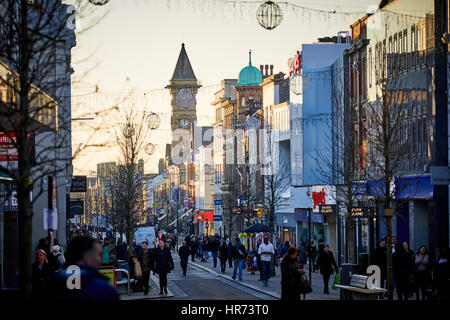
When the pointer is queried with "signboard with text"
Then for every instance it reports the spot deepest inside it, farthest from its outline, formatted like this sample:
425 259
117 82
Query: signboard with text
76 207
327 208
359 212
78 184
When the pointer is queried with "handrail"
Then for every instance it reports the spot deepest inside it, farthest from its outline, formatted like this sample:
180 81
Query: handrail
128 276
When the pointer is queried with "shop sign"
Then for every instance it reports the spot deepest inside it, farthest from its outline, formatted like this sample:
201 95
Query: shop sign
359 212
327 209
295 64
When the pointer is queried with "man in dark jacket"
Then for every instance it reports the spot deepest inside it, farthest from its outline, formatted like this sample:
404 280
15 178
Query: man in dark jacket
230 253
121 250
163 264
223 255
184 252
214 248
326 263
146 259
302 253
239 255
192 248
81 281
312 254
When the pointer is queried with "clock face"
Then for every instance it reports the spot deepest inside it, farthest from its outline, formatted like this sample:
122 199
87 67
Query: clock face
185 99
184 123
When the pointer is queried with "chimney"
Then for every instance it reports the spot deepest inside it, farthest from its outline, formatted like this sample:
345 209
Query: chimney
267 70
271 69
261 67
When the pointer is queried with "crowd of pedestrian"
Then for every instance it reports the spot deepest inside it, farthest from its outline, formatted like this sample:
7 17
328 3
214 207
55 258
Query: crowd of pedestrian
424 274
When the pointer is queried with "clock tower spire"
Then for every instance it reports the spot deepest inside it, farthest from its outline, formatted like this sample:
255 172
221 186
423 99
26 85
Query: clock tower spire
183 88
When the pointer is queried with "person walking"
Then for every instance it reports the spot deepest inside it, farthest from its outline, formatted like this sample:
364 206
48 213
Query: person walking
312 254
214 248
86 253
284 249
422 277
146 259
291 270
205 249
239 255
163 265
58 258
184 253
230 253
326 263
192 248
402 268
121 250
258 260
266 251
105 253
223 255
40 270
302 253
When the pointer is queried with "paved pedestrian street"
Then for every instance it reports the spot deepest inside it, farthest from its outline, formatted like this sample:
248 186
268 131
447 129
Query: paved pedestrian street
204 282
199 284
274 289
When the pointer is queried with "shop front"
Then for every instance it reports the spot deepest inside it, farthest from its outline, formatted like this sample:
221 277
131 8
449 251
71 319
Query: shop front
286 227
206 225
318 229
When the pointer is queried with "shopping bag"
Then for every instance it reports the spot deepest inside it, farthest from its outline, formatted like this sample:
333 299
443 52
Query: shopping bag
303 284
137 271
336 281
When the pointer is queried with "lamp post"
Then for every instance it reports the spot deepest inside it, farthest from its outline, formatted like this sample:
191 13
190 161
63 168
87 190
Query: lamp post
68 186
309 238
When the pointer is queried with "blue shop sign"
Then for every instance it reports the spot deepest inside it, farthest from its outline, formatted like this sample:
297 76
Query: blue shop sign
301 215
418 187
285 220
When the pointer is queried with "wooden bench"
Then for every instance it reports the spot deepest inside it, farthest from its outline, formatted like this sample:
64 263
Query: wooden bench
357 290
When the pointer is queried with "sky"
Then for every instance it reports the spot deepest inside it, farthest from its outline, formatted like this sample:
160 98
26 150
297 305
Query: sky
130 55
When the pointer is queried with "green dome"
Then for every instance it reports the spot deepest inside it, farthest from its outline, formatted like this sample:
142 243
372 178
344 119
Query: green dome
250 76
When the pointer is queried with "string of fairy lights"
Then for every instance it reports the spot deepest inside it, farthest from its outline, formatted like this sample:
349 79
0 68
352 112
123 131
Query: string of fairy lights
269 15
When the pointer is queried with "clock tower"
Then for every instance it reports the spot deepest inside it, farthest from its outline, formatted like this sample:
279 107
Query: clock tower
183 90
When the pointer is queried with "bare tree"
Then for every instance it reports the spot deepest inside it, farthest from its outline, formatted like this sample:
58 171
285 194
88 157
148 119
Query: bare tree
34 106
388 150
276 175
336 160
131 138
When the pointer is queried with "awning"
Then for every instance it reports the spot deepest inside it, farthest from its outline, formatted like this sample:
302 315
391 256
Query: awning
301 215
5 177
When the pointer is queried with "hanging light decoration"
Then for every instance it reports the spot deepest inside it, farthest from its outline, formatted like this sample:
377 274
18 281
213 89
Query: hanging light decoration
153 121
150 149
296 82
99 2
269 15
128 130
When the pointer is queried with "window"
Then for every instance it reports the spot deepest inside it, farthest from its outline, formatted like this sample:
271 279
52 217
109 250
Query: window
363 76
394 55
414 47
405 50
369 71
389 58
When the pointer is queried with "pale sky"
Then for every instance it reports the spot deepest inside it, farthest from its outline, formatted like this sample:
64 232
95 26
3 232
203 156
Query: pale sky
141 39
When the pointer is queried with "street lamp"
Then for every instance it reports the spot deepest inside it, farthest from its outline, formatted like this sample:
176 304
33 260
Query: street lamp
308 193
68 186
